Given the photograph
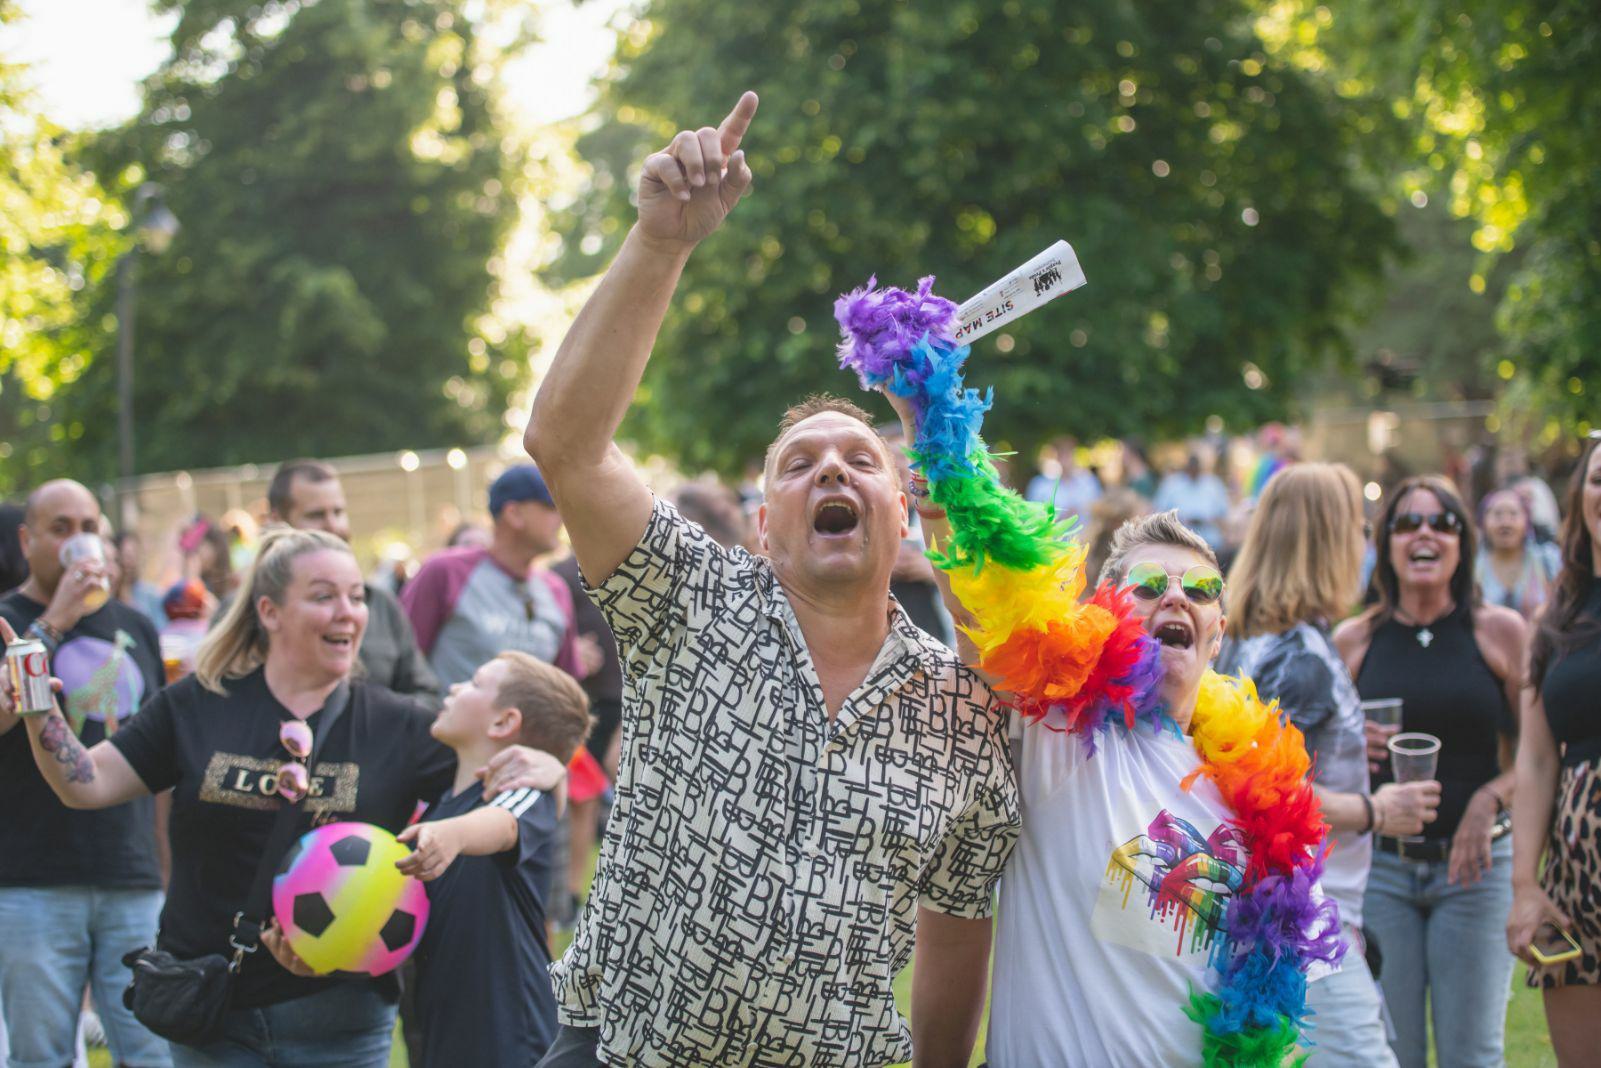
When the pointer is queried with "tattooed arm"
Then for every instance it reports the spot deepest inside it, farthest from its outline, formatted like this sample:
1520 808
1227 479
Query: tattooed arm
83 778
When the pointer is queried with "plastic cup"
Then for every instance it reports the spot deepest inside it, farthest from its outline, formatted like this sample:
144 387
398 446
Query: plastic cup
1385 711
88 548
1414 756
176 652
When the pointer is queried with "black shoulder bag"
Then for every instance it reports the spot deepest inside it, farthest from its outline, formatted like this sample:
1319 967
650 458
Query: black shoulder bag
184 1001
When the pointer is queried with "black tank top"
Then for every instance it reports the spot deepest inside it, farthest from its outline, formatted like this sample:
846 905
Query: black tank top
1448 691
1571 690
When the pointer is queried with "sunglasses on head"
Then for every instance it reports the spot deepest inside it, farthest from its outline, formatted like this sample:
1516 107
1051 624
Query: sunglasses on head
1439 522
294 781
1201 583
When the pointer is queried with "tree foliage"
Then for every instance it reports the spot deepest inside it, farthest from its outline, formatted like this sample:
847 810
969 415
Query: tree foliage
342 185
1504 113
58 236
1207 189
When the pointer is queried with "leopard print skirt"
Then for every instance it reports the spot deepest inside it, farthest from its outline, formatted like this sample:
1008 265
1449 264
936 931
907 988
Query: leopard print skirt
1572 876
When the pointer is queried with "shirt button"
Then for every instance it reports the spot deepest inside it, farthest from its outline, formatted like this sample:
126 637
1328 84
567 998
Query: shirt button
812 850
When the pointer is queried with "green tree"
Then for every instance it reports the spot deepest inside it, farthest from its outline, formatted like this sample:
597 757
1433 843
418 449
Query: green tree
58 235
1502 106
1206 188
342 185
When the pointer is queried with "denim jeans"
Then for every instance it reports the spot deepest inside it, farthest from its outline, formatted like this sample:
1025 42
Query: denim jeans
1347 1019
55 940
1449 942
346 1026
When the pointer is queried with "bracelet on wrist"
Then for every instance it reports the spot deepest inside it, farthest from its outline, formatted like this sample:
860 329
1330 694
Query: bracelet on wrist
45 633
1367 803
1500 805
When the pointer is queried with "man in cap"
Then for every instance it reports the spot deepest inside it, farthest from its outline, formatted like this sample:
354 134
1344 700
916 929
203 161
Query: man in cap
469 605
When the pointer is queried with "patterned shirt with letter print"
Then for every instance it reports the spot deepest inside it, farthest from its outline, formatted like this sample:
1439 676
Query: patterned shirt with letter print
220 755
762 868
108 665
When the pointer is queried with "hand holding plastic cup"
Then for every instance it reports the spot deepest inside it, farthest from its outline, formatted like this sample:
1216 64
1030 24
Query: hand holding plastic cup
85 548
1383 721
1414 756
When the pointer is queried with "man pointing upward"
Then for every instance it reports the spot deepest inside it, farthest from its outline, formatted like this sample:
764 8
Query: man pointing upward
806 779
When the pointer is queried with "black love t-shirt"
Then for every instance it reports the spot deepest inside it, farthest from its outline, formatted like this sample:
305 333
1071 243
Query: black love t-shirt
483 970
220 755
109 664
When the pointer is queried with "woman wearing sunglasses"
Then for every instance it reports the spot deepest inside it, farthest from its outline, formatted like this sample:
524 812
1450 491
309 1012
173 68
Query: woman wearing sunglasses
1559 785
1437 905
1087 970
1298 571
231 742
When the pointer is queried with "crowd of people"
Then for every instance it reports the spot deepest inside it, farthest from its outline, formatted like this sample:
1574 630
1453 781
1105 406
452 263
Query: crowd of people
806 745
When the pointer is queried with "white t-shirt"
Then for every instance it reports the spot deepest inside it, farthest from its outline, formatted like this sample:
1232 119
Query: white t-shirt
1109 903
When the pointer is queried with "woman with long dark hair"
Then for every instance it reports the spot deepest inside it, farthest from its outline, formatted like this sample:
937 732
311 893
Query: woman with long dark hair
1559 774
1436 904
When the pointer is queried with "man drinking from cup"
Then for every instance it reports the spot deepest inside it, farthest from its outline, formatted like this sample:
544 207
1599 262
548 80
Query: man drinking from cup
77 889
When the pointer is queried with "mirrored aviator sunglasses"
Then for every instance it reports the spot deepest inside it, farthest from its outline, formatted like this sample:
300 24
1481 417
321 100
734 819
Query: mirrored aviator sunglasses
1202 584
294 781
1440 522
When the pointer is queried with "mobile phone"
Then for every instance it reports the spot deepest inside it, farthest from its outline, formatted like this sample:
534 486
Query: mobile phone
1553 945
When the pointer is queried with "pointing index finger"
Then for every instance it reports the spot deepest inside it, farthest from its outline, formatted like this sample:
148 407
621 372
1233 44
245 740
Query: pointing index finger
732 129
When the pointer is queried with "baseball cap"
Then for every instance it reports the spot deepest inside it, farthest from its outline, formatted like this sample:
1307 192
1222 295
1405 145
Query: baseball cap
185 600
520 483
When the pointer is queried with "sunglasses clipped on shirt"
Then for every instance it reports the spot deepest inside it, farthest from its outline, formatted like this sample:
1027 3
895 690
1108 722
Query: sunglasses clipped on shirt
1201 584
294 781
1439 522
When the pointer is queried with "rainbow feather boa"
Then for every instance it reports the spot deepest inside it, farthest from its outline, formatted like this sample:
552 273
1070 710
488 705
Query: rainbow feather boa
1020 574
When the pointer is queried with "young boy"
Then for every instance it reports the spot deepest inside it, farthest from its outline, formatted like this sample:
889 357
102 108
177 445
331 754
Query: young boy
483 990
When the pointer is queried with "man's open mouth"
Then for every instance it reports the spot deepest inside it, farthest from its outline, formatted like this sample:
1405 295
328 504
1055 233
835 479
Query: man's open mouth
836 516
1174 634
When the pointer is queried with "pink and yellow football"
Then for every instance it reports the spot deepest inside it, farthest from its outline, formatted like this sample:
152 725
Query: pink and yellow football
342 904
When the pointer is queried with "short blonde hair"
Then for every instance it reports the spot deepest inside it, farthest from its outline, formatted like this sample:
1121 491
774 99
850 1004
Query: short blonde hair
555 709
1159 528
1302 559
817 404
238 644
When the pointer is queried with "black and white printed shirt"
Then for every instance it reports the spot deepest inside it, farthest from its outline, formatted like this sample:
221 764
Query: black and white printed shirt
761 871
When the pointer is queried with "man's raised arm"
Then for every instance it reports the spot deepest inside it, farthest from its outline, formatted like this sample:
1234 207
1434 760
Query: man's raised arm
685 192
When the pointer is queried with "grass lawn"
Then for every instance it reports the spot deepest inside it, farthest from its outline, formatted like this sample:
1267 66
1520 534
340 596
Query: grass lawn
1527 1044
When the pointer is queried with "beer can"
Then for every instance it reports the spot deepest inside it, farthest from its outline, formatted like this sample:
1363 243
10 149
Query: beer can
29 666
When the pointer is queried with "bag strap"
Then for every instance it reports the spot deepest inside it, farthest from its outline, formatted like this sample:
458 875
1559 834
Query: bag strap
248 922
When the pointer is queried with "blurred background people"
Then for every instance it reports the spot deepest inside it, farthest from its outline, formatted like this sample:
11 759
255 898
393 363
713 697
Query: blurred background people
1438 906
1559 782
130 588
1513 568
912 582
13 564
1116 507
1070 489
1199 497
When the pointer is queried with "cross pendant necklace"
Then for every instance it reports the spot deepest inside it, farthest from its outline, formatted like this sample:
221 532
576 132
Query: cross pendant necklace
1425 635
